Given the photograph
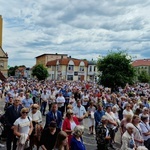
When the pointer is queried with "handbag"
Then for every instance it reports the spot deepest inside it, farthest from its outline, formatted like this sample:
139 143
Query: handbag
27 145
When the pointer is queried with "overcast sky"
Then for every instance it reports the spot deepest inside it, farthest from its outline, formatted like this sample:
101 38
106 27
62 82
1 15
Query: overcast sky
80 28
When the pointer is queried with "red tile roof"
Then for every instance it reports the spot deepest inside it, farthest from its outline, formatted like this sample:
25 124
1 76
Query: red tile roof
51 63
65 61
141 62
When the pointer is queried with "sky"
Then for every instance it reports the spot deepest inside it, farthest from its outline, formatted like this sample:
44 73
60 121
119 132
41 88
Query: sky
85 29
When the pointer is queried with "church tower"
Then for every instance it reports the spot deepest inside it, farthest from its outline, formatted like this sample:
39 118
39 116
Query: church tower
1 30
3 55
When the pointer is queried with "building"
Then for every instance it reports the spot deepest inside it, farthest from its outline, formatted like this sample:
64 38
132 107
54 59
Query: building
23 72
3 55
44 58
1 30
67 69
142 65
92 74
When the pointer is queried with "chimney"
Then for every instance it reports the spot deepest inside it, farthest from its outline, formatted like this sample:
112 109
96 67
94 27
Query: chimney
1 30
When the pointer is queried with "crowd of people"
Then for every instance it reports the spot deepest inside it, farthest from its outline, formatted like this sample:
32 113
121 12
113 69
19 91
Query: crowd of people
65 105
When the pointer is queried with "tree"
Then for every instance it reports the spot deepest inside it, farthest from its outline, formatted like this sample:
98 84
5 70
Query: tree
143 77
116 70
40 72
11 71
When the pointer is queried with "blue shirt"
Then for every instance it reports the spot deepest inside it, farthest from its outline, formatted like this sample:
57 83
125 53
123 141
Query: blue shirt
98 116
27 102
77 145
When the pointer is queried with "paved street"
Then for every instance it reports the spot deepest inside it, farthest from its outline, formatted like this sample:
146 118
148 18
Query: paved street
89 140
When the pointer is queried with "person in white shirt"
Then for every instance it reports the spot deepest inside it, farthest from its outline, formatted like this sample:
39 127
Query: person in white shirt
23 128
145 131
127 111
138 138
35 114
79 112
85 100
52 98
128 138
44 100
61 101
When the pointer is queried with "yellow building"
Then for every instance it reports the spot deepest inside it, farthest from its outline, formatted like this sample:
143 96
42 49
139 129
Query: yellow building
68 69
44 58
3 55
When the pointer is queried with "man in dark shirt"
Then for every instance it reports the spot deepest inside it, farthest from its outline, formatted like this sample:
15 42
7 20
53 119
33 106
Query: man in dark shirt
12 113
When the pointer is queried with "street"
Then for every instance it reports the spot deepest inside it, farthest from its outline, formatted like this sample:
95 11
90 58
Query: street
89 140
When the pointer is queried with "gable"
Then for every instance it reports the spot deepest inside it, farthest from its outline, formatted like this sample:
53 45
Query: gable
2 53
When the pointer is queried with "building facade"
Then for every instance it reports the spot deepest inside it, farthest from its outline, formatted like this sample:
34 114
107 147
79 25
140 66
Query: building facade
142 65
72 69
67 69
3 55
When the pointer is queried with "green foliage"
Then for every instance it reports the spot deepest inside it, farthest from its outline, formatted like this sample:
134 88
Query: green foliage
11 71
40 72
143 77
116 70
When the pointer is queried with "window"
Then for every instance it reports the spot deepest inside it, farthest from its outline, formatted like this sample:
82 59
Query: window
70 77
81 68
1 64
71 67
94 68
90 70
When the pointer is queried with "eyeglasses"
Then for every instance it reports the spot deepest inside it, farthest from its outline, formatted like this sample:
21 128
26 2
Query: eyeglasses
24 112
34 108
16 100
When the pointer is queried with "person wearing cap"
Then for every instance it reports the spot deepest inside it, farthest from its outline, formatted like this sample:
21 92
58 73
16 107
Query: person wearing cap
102 134
128 142
49 136
69 124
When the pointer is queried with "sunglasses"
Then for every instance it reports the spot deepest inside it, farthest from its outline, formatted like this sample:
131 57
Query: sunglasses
24 112
34 108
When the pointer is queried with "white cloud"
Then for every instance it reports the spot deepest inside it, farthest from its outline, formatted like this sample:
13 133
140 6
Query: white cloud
82 29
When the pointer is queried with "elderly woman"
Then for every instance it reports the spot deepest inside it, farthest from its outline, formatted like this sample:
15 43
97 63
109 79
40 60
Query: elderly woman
76 141
112 124
128 139
36 116
102 134
69 124
127 110
23 128
145 131
137 131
